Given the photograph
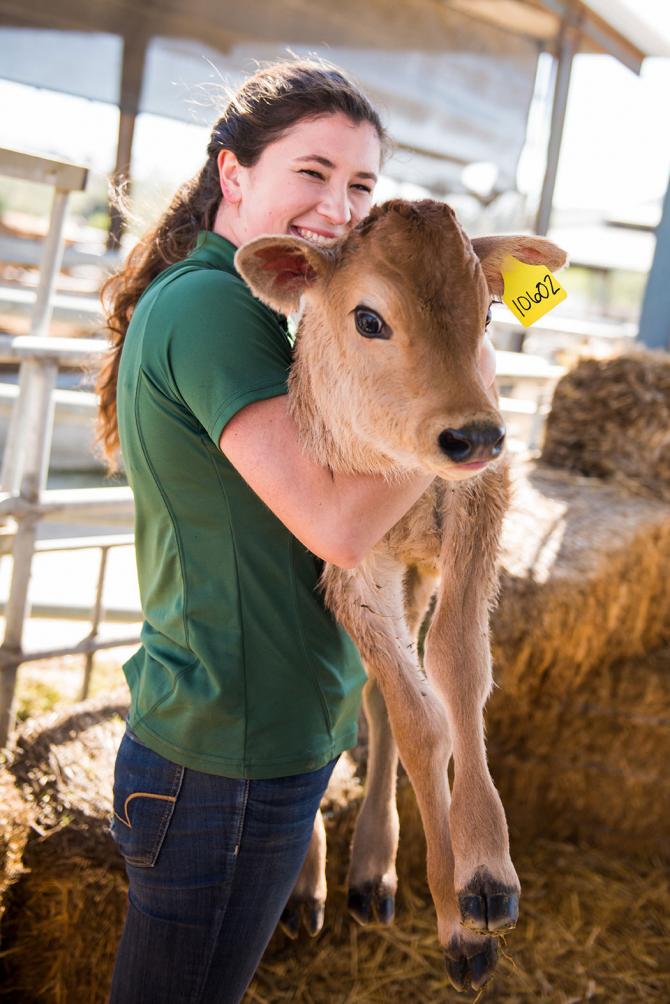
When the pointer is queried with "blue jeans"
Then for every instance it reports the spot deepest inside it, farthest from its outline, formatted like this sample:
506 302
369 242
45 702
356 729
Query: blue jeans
211 862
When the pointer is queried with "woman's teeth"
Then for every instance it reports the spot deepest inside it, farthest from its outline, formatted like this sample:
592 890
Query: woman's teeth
309 235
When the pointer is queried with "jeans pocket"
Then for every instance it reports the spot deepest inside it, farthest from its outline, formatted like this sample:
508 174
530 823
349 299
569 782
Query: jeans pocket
146 786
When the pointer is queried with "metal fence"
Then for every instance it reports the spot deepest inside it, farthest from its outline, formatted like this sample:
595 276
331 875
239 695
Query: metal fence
24 498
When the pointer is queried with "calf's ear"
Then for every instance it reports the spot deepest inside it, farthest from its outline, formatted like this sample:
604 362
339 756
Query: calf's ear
492 251
279 269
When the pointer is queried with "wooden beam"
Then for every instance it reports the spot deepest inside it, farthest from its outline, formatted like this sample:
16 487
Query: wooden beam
424 25
44 170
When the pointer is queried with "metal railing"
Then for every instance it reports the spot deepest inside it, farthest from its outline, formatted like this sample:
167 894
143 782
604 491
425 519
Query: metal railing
24 498
92 643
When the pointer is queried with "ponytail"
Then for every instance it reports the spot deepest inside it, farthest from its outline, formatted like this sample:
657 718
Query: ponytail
193 208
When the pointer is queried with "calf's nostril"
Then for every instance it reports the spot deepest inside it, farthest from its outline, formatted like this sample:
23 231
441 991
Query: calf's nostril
455 444
499 441
472 442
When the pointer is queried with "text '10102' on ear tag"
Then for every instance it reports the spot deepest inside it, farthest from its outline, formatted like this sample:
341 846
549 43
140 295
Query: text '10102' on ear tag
530 291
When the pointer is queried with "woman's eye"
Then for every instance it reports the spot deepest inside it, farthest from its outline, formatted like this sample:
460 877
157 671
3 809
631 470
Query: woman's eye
311 173
363 188
370 325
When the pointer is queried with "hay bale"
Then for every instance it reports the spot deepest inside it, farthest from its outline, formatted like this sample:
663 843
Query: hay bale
64 912
591 764
578 728
16 817
610 418
584 579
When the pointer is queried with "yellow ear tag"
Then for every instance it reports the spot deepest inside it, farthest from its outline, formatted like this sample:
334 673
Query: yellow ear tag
530 291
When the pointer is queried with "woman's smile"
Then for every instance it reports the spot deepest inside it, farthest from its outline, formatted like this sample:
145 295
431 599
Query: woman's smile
314 236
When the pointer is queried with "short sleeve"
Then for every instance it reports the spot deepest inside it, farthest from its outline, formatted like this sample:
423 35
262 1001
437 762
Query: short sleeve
221 348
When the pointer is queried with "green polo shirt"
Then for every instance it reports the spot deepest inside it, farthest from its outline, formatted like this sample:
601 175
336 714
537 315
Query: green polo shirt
242 671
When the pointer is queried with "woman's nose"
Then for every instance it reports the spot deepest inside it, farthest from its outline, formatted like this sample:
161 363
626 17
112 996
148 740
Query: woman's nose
335 207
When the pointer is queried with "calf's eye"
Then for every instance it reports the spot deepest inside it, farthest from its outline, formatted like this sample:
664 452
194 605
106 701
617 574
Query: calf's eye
489 318
370 325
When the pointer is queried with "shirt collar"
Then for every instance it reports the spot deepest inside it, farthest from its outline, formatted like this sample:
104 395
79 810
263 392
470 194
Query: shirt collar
215 250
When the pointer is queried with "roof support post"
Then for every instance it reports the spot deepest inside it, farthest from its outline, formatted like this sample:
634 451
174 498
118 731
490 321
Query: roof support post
132 74
568 45
655 315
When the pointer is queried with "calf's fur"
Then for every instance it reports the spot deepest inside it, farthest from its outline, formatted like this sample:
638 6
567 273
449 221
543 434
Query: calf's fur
378 405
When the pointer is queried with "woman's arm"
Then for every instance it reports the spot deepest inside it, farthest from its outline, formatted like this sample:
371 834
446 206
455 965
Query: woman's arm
339 517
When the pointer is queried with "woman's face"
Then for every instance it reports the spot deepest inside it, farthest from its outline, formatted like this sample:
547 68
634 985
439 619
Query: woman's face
315 182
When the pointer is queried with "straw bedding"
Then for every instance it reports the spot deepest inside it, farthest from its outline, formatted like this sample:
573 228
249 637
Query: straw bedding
593 927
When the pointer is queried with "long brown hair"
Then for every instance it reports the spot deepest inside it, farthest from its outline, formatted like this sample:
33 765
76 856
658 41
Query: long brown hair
265 106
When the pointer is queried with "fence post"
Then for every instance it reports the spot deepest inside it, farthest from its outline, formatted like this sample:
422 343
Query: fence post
95 622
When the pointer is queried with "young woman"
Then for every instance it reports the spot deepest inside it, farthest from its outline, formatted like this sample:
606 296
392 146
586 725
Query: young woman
244 691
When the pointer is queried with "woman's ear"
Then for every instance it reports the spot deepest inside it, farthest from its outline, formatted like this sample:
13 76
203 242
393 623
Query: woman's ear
492 252
229 167
279 270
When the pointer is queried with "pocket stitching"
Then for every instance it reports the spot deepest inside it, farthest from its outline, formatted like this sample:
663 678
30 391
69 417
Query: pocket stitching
148 860
141 794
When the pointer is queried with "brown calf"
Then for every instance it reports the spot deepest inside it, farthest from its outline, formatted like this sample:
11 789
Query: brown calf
386 379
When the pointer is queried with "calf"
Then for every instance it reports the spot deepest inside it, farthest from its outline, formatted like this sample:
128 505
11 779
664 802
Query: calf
387 379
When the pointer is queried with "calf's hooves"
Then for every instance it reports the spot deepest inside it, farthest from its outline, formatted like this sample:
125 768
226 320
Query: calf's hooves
487 906
371 901
470 966
310 911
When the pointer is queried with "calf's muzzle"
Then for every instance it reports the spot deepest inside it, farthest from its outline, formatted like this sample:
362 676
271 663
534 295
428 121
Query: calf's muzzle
478 441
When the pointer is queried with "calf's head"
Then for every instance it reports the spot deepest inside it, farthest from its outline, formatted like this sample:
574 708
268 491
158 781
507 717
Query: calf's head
391 335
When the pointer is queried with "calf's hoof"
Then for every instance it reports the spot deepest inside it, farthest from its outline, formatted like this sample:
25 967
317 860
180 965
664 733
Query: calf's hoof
470 964
309 911
488 906
371 900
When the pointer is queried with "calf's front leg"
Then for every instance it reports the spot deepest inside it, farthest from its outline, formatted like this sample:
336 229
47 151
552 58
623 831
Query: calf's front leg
484 876
458 662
